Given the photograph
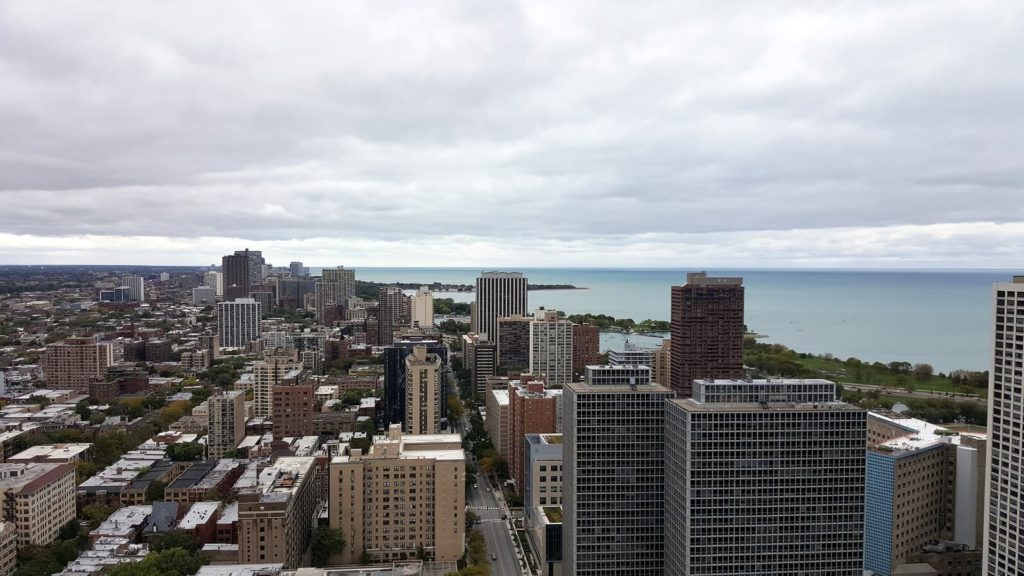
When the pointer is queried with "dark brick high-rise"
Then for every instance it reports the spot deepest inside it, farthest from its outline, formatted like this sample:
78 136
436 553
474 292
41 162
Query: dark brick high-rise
586 339
707 330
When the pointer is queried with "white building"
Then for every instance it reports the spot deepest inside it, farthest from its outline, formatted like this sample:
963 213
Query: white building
136 288
238 322
345 278
498 295
764 478
423 308
214 280
551 347
615 375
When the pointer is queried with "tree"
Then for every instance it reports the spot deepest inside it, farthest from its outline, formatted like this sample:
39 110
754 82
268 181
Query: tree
326 543
82 408
185 451
155 491
171 540
471 519
455 409
922 372
172 562
95 514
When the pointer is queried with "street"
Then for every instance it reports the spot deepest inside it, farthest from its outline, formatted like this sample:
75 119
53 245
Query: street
495 530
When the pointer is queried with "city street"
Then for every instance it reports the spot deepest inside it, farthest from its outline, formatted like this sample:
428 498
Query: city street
495 530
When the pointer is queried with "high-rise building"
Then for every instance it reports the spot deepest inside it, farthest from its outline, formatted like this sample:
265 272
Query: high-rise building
75 363
1004 503
265 298
214 280
422 392
39 498
586 347
395 375
344 277
542 498
257 266
291 292
267 374
274 513
423 308
204 296
551 347
294 405
238 322
237 282
514 344
136 288
925 485
707 330
479 357
630 356
532 409
423 477
393 311
615 375
328 302
498 295
764 477
663 363
296 269
614 477
226 423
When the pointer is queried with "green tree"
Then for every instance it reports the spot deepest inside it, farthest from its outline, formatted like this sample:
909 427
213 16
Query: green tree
95 514
172 562
185 451
155 491
171 540
922 372
326 543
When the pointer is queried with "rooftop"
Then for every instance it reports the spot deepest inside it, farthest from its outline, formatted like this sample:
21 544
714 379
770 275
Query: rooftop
56 452
241 570
278 482
919 434
199 514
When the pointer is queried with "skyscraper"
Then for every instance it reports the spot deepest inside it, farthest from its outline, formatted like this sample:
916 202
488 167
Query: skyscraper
422 392
236 278
1004 502
214 280
238 322
514 344
395 375
478 355
423 308
551 346
267 374
136 288
707 330
531 410
586 340
296 269
764 477
393 310
226 421
345 278
498 295
614 478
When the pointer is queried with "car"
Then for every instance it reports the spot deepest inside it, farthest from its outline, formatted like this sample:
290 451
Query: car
475 486
504 517
494 557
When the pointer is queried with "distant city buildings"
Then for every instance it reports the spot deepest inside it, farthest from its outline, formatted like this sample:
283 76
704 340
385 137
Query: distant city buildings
532 409
764 477
214 280
707 330
406 494
204 296
136 288
296 269
498 295
345 278
393 311
238 322
479 357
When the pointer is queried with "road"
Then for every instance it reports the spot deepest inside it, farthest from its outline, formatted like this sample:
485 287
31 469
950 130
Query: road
483 502
925 394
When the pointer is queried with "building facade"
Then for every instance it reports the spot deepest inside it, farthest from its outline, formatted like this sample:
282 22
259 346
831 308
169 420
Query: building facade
612 375
423 308
498 295
294 405
136 288
395 376
586 347
407 493
75 363
758 481
707 330
275 512
422 392
614 478
551 347
345 278
514 344
39 498
236 279
531 410
268 373
238 322
226 417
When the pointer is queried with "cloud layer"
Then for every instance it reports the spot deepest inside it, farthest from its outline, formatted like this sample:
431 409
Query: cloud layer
569 133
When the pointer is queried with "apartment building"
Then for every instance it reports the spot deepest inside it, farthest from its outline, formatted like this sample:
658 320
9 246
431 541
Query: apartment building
75 363
39 498
226 423
423 394
707 330
275 513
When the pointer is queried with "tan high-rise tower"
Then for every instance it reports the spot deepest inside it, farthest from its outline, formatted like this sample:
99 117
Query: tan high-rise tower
422 392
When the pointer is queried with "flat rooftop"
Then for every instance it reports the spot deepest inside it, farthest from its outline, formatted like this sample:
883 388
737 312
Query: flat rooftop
919 434
61 452
200 513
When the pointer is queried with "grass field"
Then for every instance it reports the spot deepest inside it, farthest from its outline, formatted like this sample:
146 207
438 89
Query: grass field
837 370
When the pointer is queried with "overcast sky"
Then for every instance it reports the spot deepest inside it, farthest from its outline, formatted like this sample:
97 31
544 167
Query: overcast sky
494 133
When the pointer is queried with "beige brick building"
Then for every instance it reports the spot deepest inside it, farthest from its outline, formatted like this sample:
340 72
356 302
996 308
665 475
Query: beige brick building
422 392
407 492
76 362
38 498
8 548
275 513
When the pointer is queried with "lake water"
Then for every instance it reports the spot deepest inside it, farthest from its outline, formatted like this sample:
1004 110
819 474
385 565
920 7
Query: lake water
943 318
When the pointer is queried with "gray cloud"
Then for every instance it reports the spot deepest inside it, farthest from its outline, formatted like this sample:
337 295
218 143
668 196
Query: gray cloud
586 124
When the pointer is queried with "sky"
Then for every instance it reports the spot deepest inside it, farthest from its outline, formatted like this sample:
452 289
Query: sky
500 133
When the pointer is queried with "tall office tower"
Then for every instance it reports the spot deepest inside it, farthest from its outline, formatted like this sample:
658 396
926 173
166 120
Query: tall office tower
291 292
395 376
663 362
432 519
1004 503
514 344
531 410
764 477
257 266
267 374
614 478
344 277
423 308
39 498
707 330
238 322
328 301
226 423
586 347
214 280
296 269
498 295
551 346
237 281
204 296
925 494
136 287
479 357
422 392
274 513
393 311
294 405
74 363
616 375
